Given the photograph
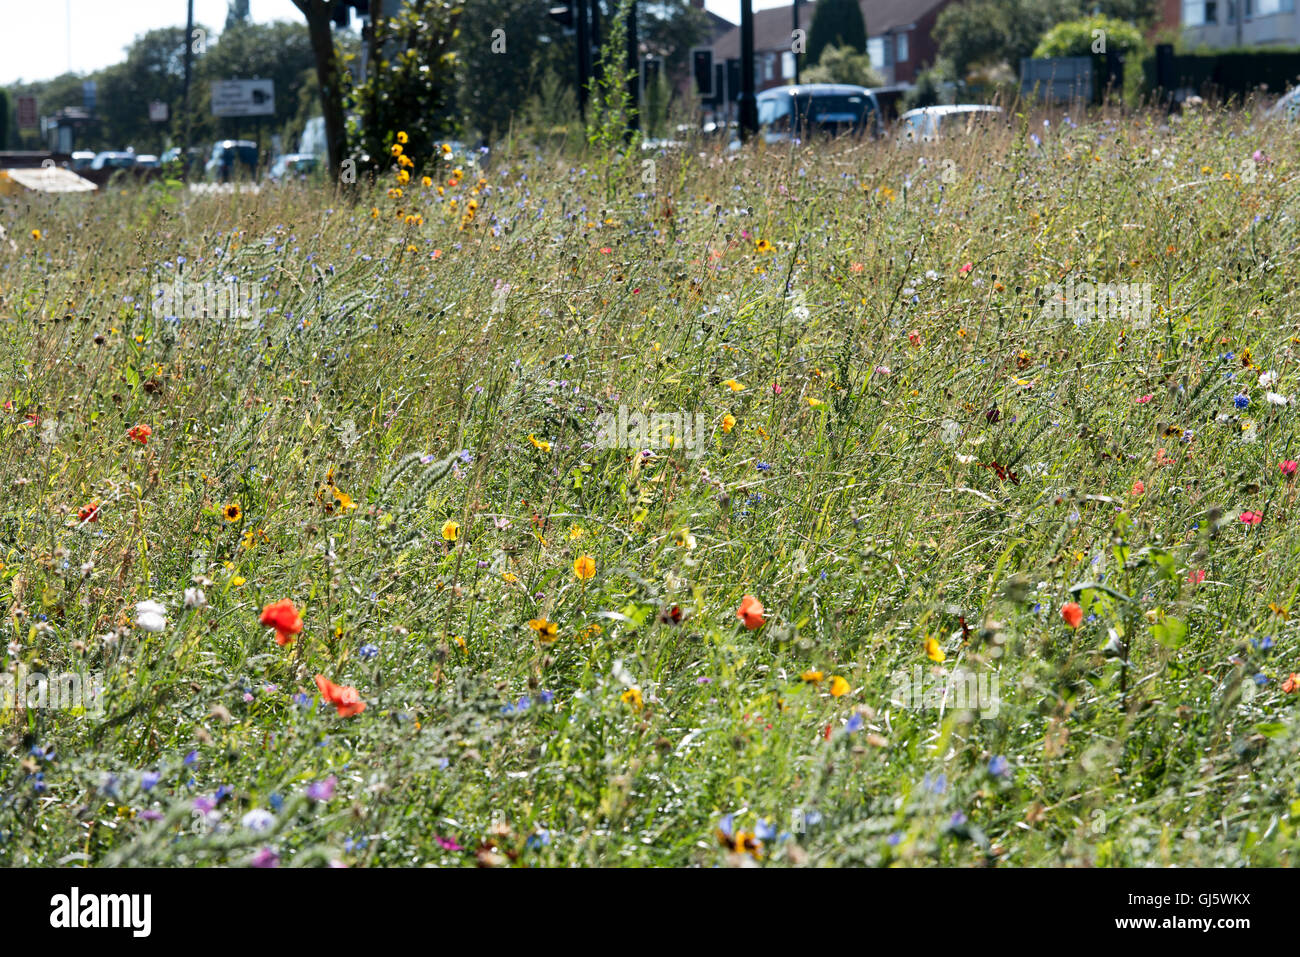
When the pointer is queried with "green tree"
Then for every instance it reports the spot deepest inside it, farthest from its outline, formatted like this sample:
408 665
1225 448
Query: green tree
279 51
836 23
844 65
1082 38
329 77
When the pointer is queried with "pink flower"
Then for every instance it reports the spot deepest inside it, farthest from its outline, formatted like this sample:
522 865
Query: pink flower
1252 518
1196 577
966 268
448 844
1289 468
776 388
1144 399
1138 488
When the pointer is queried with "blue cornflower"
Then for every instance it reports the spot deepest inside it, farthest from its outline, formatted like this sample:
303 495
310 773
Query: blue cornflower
1241 401
998 766
369 651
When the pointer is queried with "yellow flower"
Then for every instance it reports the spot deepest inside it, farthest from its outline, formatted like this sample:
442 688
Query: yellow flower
812 677
815 403
763 246
343 501
237 580
450 530
728 422
446 147
734 386
933 651
403 177
839 687
632 696
36 235
509 577
426 181
683 538
584 566
374 212
539 444
576 532
547 631
232 512
396 150
402 137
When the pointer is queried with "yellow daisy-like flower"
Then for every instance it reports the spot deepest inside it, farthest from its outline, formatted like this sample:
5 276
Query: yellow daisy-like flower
403 177
839 687
36 235
763 246
584 567
394 193
402 137
509 577
396 150
547 631
450 530
426 181
812 677
734 386
815 403
728 422
343 501
576 532
933 651
446 147
374 212
632 696
540 444
231 512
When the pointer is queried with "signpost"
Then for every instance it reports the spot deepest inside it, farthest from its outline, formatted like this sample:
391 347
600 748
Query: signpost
243 97
27 113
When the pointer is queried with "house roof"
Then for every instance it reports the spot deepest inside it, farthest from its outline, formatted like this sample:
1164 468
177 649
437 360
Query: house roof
772 26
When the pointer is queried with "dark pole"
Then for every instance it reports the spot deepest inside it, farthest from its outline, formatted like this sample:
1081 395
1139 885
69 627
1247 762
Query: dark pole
634 73
597 69
189 51
584 53
748 107
795 29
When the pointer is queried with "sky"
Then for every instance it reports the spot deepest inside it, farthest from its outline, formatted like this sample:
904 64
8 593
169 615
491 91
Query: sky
35 42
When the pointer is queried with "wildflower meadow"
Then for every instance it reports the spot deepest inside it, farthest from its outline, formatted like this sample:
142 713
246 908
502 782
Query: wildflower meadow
853 503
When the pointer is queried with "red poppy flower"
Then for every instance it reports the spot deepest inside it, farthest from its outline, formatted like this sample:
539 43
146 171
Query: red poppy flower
344 697
1196 577
89 513
283 617
1072 612
751 612
1292 683
1252 518
140 433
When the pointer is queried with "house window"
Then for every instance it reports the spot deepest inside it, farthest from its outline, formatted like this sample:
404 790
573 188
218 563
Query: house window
1199 13
787 64
902 48
878 50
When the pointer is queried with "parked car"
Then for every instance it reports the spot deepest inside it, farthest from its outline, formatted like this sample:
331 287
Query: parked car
293 165
81 159
830 109
1287 108
113 159
229 159
147 161
933 122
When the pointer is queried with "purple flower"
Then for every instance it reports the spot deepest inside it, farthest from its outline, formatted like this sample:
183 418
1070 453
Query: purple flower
266 857
322 790
149 779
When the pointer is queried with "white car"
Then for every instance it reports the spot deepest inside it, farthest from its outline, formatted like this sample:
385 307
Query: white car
932 122
1286 108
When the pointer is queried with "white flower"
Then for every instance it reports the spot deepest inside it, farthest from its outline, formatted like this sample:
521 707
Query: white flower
950 431
1267 379
194 598
1275 398
150 615
965 459
258 819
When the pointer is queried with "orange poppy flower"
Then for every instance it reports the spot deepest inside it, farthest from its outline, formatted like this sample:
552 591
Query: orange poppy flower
344 697
89 513
1292 683
140 433
284 618
1072 612
751 612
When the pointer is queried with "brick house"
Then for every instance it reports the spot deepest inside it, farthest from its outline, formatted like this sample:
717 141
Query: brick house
898 39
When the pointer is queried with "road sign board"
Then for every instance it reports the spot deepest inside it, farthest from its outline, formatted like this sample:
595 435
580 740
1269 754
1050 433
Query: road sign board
243 98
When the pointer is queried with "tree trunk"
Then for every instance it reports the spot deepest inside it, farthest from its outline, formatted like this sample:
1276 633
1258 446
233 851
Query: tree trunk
317 13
